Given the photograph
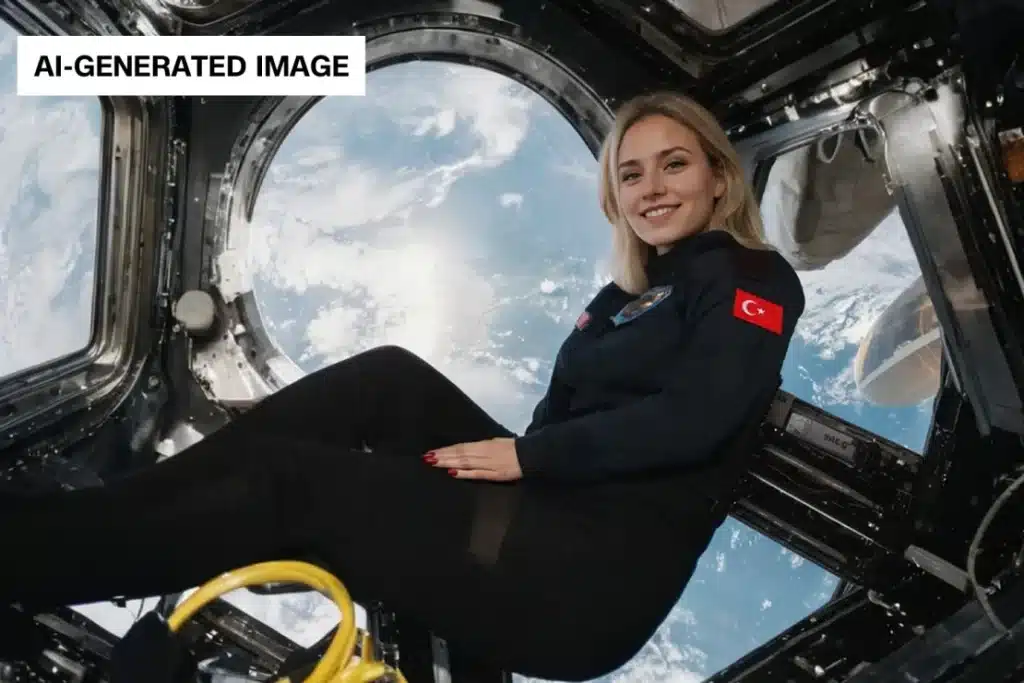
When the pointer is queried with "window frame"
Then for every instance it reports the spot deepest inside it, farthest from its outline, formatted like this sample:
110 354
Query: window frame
87 385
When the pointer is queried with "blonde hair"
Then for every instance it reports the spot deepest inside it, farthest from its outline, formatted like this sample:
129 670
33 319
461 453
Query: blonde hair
735 212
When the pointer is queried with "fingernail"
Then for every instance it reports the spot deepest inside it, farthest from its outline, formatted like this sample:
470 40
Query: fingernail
453 472
432 459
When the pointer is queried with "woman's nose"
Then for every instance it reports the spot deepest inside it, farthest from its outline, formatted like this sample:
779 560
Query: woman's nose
655 185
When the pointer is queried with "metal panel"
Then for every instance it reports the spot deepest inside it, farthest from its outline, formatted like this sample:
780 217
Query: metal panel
924 149
128 299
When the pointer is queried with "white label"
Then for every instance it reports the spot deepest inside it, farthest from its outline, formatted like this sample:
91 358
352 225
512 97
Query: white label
831 440
191 66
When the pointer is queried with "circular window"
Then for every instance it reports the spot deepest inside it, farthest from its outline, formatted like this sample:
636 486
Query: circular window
451 211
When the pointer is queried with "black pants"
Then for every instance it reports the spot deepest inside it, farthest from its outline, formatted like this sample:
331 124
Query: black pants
541 579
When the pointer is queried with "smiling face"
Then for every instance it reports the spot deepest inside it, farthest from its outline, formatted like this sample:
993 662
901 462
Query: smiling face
667 186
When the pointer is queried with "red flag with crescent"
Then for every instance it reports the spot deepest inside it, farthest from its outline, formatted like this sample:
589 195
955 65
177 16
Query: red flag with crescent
761 312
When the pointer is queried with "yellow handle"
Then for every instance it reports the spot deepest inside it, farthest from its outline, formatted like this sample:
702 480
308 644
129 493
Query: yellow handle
333 666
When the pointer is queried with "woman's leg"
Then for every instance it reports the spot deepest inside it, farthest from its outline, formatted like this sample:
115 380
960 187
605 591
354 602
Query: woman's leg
386 398
548 582
233 498
551 583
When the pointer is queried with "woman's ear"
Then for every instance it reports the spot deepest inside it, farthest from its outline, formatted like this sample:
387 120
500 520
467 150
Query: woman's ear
719 185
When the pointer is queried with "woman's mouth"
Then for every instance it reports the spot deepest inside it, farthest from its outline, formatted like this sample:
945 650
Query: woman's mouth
659 213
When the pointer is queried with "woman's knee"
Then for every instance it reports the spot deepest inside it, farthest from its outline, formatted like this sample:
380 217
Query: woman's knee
387 360
375 371
391 353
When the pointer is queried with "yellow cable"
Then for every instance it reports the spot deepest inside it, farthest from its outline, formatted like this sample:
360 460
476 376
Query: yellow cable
333 666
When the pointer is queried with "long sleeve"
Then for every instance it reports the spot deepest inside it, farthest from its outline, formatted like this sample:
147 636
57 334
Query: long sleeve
554 406
726 365
551 406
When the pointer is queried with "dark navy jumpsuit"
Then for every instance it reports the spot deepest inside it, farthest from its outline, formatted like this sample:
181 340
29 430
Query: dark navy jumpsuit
564 574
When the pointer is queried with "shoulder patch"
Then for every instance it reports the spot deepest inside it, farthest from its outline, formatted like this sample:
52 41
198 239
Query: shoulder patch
645 302
583 320
757 311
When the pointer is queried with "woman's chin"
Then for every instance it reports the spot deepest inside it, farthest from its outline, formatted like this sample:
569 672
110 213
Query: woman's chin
661 237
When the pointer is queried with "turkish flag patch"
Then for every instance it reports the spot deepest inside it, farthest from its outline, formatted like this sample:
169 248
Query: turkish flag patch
761 312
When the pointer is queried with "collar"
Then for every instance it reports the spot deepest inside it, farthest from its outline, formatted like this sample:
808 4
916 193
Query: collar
663 268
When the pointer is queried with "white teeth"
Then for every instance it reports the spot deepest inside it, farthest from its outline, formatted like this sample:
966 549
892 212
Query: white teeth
658 212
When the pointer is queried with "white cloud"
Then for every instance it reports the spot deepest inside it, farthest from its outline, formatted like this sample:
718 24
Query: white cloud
795 560
583 173
417 294
658 672
49 184
496 109
666 658
441 124
331 217
305 618
511 200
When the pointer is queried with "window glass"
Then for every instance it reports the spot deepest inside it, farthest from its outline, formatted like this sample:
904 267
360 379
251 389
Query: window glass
867 348
50 147
303 617
454 212
719 15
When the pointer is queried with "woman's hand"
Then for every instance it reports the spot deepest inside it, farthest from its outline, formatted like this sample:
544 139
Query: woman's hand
493 459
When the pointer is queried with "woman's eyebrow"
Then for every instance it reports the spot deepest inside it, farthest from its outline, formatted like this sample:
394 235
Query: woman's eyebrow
663 153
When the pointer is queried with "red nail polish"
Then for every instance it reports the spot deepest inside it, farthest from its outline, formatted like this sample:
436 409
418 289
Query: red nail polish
431 459
453 472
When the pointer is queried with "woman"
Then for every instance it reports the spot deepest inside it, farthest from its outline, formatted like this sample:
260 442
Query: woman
554 554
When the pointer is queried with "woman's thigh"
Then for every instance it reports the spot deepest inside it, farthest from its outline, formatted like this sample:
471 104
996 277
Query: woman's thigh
518 579
385 398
